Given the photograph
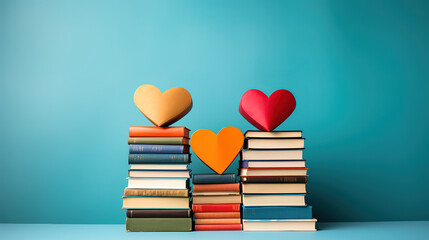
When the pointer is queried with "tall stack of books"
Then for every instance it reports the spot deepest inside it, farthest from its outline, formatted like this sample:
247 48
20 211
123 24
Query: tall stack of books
273 178
157 196
216 202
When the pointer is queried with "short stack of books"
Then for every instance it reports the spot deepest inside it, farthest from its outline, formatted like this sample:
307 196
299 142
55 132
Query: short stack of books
216 202
273 178
157 196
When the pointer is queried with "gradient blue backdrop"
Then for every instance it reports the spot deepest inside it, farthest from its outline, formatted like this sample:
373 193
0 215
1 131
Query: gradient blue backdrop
68 69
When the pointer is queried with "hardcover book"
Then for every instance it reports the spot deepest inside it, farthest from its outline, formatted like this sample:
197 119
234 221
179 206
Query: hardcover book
245 172
232 187
207 221
276 212
279 224
273 134
213 178
289 154
159 132
159 140
156 192
272 164
218 227
275 179
274 200
159 173
159 224
216 207
236 198
168 149
162 166
158 158
260 188
274 143
131 202
217 215
158 213
158 183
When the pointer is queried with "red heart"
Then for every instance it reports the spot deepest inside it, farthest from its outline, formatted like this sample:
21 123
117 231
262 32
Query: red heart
267 113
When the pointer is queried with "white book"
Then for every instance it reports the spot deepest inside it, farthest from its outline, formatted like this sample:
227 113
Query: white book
273 134
259 188
279 224
274 200
155 173
159 166
158 183
275 164
247 172
295 154
274 143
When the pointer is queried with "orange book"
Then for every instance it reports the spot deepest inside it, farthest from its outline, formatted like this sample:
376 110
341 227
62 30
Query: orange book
159 132
228 187
205 215
218 227
203 221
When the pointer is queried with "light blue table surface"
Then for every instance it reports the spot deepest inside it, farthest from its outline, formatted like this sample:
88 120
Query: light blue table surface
357 230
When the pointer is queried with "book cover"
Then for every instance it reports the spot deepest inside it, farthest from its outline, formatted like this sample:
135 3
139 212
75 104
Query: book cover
278 212
213 178
140 131
218 227
217 215
216 207
159 224
159 140
223 187
208 221
158 213
158 158
156 192
150 148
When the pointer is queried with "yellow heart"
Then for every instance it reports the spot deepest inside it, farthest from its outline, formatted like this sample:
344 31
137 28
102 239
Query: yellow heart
217 151
163 109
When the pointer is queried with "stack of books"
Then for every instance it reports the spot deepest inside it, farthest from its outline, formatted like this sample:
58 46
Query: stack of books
273 179
216 202
157 196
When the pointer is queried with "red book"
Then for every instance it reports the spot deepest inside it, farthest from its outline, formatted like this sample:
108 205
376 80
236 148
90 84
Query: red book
216 207
220 227
228 187
159 132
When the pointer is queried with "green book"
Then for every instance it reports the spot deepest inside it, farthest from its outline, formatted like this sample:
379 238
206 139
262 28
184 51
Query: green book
159 224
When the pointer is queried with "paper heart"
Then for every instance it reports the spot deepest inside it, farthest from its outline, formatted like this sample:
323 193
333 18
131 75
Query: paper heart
266 113
217 151
163 109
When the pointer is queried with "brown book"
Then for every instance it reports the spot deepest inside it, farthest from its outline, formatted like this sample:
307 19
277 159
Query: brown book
217 215
218 221
158 213
222 199
156 192
226 187
275 179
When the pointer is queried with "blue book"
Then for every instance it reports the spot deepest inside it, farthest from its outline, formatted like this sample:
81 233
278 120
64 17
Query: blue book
278 212
148 148
213 178
158 158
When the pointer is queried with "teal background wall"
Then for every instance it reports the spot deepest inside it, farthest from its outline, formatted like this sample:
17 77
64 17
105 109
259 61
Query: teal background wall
68 69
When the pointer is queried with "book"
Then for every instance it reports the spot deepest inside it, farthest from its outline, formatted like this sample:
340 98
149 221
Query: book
159 224
158 213
159 140
274 200
207 221
272 134
158 173
215 193
158 183
274 143
275 179
156 192
213 178
272 164
233 187
159 132
218 227
258 188
279 224
216 207
292 154
216 199
146 148
198 215
155 202
158 158
276 212
273 172
159 166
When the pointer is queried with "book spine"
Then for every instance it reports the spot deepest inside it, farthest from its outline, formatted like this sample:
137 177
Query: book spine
245 164
143 148
207 221
158 158
213 178
158 132
158 213
217 215
267 212
158 140
157 192
219 227
227 187
278 179
159 224
216 207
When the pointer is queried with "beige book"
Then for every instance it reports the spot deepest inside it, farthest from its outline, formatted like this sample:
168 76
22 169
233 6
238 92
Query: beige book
280 225
274 200
155 202
216 199
259 188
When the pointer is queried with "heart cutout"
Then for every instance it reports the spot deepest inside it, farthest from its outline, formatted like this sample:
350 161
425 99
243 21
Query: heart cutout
217 151
266 113
163 109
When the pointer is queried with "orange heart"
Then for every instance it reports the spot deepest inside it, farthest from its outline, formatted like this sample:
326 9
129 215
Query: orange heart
217 151
163 109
